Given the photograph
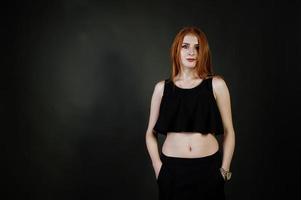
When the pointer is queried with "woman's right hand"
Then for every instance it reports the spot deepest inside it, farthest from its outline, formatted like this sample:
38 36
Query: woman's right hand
157 168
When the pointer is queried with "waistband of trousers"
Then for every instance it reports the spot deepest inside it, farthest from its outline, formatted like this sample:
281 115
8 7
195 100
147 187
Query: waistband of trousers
171 160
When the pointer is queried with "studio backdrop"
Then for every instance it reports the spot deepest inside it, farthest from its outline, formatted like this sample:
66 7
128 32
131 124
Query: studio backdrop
80 75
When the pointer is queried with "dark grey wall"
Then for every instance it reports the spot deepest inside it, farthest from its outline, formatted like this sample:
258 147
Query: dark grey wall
82 74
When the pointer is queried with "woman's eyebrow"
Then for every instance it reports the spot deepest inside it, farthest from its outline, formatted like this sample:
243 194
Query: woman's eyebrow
189 43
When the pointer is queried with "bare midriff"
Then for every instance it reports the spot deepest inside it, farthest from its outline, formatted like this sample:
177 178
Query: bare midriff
189 144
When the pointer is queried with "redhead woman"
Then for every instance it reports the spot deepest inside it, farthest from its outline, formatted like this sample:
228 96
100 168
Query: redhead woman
190 108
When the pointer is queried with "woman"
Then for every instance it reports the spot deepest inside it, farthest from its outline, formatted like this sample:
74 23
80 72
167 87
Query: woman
191 108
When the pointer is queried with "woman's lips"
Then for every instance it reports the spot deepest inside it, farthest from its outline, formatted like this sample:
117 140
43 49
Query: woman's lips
190 59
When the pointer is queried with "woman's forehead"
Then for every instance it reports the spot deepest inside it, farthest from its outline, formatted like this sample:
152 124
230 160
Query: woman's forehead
191 39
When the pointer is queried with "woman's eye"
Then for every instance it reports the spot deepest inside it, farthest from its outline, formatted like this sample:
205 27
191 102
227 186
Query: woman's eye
184 46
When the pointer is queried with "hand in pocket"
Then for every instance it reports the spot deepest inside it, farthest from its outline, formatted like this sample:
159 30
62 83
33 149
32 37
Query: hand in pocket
222 176
158 169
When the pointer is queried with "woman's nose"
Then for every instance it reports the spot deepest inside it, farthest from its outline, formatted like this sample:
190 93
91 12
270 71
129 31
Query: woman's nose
191 51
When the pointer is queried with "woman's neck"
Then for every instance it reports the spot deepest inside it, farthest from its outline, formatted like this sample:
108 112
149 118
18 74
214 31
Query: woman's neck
187 76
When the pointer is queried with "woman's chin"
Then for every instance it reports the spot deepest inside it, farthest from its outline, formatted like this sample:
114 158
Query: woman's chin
189 66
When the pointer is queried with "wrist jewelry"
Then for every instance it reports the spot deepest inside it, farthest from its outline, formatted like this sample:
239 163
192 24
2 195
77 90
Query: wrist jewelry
226 174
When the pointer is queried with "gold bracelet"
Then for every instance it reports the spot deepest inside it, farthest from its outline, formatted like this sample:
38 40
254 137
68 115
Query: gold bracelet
226 174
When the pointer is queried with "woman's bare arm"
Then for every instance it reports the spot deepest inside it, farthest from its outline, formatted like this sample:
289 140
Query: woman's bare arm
222 95
150 136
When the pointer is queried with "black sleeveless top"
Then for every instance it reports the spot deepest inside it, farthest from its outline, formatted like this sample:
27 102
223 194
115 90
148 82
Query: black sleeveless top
189 110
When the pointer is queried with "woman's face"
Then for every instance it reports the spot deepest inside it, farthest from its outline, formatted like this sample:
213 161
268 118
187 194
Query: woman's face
189 51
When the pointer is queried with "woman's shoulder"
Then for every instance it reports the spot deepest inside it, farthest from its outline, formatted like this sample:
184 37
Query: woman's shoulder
218 83
162 82
159 86
217 78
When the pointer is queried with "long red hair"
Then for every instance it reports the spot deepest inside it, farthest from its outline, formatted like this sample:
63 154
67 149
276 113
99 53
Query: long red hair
203 65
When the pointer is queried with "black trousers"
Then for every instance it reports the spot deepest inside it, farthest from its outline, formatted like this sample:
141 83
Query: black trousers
191 178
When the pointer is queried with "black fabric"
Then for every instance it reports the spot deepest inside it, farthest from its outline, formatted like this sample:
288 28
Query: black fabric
191 178
189 110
